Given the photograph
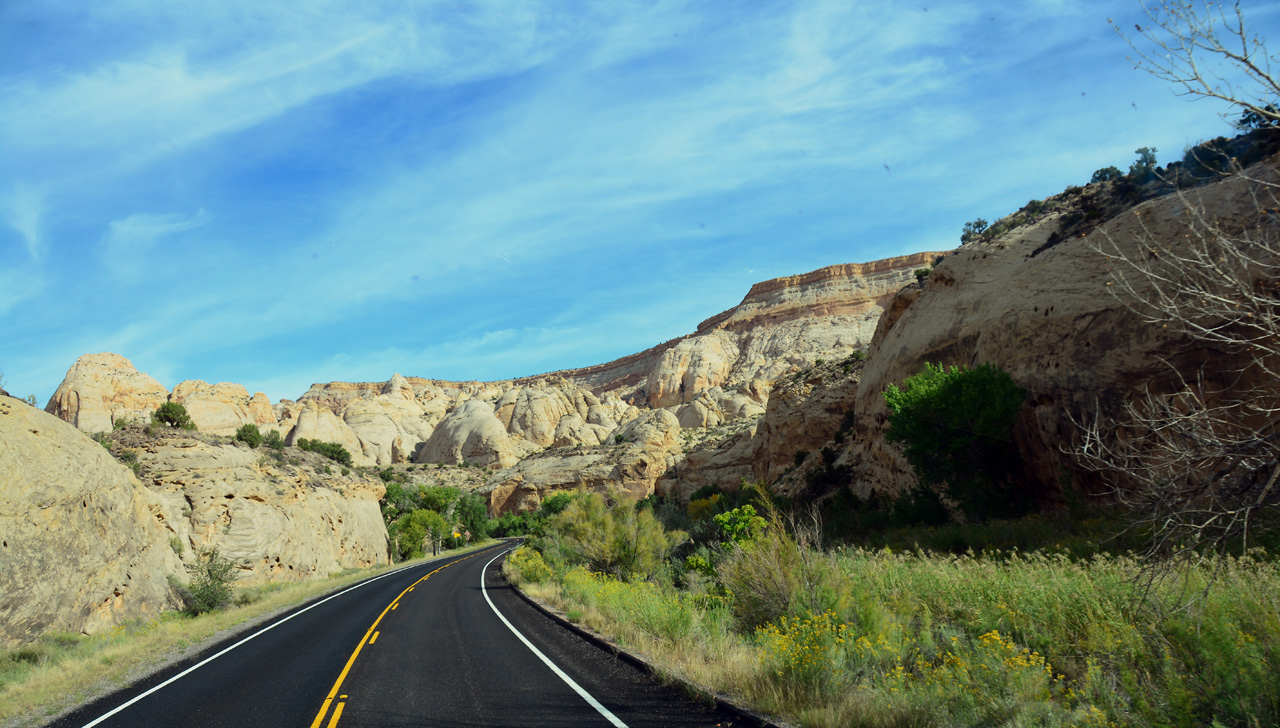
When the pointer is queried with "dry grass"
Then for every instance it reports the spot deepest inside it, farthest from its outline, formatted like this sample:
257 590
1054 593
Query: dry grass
61 671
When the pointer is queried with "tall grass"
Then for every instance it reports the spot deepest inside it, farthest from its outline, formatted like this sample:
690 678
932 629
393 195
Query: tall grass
910 638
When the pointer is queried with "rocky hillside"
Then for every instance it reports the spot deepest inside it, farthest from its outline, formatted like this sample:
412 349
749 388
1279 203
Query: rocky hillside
1039 304
90 542
717 377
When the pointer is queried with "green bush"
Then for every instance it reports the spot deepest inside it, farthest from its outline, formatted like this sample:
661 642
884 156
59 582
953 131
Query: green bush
331 450
921 273
173 415
624 541
1106 174
956 425
249 435
273 440
210 587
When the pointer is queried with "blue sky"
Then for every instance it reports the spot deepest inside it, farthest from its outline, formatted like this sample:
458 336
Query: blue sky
277 194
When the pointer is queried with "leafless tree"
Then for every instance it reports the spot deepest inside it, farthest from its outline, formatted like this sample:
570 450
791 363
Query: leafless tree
1197 456
1205 50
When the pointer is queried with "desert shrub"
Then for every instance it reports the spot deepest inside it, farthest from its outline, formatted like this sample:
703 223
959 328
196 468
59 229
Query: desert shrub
956 425
624 541
741 524
776 575
529 566
331 450
273 440
249 435
210 586
173 414
554 503
1106 174
921 273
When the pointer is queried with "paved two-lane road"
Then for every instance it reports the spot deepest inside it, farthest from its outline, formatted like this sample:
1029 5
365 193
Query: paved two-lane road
423 646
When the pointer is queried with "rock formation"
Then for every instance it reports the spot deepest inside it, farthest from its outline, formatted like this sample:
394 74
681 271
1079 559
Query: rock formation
275 520
218 409
719 375
84 545
641 452
102 388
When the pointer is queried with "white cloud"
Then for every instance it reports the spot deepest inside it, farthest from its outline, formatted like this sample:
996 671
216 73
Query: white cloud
24 210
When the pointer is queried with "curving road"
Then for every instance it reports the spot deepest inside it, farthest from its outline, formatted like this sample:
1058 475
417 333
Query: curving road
443 643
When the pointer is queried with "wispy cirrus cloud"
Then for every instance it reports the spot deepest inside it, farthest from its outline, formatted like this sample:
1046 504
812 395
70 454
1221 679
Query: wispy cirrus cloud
130 241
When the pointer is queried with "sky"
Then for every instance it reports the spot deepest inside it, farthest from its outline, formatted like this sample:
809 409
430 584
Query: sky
277 194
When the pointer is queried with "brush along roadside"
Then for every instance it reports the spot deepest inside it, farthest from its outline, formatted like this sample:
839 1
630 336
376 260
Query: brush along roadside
864 637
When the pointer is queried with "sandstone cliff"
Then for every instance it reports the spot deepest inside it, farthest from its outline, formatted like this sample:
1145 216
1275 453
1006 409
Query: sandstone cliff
1044 311
84 544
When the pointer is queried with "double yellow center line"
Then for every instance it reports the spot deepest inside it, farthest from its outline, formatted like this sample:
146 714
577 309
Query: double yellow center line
369 637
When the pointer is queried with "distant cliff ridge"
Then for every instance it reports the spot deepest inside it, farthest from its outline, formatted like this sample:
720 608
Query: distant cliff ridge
722 372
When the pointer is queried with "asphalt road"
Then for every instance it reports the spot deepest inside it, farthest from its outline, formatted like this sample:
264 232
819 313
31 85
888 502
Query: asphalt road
424 646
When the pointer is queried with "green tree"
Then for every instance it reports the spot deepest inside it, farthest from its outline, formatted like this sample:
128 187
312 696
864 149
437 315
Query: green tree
173 414
972 230
1106 174
472 514
956 425
439 497
1143 168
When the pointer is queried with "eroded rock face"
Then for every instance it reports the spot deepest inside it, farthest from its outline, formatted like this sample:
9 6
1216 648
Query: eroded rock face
318 423
691 367
101 388
389 426
473 434
1045 314
804 412
629 467
217 409
84 546
276 521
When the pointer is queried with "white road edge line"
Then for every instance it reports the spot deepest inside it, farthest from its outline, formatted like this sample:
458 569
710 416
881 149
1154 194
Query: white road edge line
207 660
546 660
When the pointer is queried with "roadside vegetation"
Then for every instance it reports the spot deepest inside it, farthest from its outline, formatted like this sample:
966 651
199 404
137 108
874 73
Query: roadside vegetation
748 602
